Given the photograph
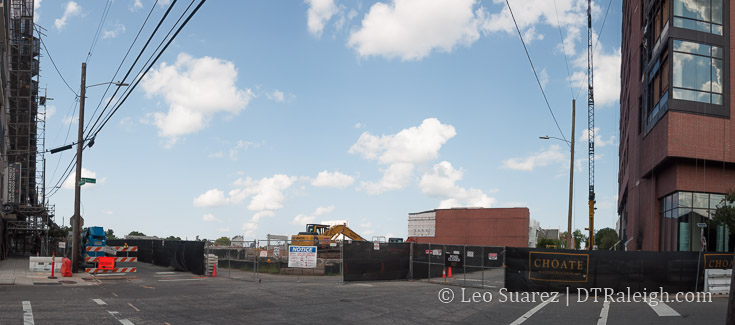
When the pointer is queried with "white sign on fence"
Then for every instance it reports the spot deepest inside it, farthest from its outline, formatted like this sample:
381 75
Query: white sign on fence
302 256
263 253
62 244
276 251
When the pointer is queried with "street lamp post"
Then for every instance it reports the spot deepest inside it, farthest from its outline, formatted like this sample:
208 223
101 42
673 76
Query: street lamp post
76 224
571 177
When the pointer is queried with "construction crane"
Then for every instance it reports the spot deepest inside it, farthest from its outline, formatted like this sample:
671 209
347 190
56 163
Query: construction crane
590 127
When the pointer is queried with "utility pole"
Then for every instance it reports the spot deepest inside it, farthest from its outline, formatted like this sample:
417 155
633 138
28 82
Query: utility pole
77 189
570 244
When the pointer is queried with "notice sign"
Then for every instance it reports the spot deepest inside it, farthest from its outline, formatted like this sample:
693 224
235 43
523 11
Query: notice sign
453 260
263 253
492 256
276 251
376 246
302 256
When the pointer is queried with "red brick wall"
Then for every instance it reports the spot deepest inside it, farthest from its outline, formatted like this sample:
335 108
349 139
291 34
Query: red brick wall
483 227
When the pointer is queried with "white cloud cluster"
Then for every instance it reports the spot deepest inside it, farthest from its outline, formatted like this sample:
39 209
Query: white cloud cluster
303 219
606 75
276 96
332 179
265 195
318 14
36 6
241 145
412 29
195 89
441 181
210 218
135 5
599 142
71 10
116 30
401 151
544 158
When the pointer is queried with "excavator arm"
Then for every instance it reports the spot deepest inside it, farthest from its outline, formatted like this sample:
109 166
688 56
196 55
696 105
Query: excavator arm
336 230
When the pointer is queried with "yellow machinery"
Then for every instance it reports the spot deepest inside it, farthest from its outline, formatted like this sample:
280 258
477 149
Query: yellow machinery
321 235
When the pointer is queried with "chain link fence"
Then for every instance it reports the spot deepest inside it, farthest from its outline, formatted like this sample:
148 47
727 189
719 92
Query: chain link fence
481 266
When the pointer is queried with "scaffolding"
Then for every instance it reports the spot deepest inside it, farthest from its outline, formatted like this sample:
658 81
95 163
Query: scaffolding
30 218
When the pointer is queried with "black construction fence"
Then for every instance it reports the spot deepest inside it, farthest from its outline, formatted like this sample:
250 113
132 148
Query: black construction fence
477 266
181 255
369 261
535 269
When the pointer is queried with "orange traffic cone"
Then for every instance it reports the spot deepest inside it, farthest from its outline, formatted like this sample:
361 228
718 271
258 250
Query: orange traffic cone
214 273
450 272
444 273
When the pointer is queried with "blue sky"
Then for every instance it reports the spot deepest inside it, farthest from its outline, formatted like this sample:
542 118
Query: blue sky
264 115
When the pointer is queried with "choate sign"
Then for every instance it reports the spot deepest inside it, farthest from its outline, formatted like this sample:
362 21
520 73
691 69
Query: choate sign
302 256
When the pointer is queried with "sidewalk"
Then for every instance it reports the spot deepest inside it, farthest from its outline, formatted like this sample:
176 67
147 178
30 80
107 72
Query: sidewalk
14 271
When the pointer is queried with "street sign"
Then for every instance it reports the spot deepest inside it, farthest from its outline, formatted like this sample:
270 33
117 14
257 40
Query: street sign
701 225
85 180
107 263
302 256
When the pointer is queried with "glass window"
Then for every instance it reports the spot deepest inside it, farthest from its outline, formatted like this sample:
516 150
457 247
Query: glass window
700 15
701 200
685 199
715 200
697 72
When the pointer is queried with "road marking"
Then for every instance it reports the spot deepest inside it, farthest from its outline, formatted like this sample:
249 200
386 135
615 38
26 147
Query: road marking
197 279
27 313
165 273
131 305
530 313
662 309
603 313
123 321
99 302
114 294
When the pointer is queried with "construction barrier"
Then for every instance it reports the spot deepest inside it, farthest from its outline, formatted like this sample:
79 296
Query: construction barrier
717 281
95 259
113 270
362 262
42 264
182 255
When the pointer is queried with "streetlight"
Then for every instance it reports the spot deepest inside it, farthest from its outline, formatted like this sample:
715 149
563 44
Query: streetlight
571 176
78 178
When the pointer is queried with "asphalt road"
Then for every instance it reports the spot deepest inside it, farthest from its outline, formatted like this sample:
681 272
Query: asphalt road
156 295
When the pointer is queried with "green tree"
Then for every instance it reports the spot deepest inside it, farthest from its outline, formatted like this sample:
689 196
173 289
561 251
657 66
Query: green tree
110 234
173 238
579 237
136 233
549 243
725 213
222 241
605 238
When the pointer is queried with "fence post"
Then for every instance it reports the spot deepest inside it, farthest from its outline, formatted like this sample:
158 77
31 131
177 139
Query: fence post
464 265
342 260
429 262
229 263
410 261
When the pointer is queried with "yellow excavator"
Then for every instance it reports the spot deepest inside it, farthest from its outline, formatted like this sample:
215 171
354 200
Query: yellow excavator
322 235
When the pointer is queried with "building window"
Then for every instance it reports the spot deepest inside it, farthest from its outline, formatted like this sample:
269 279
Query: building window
697 72
700 15
680 213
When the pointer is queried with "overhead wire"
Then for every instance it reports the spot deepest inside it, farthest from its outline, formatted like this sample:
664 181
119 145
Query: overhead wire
130 89
123 61
536 74
103 18
45 48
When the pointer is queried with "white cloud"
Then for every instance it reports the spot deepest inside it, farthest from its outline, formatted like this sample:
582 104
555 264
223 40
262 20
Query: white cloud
441 183
72 10
303 219
50 111
36 6
264 194
135 5
599 142
358 125
402 151
210 218
112 33
543 78
606 74
395 177
276 96
332 179
69 120
195 89
242 145
319 13
411 29
224 229
211 198
412 145
86 173
216 155
544 158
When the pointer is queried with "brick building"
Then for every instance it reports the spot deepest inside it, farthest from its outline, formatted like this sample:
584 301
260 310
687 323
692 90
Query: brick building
471 226
677 148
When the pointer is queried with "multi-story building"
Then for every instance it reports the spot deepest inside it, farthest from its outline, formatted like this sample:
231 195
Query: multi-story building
677 147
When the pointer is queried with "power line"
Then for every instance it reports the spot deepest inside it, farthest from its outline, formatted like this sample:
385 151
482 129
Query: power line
535 74
123 61
55 67
105 11
119 104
